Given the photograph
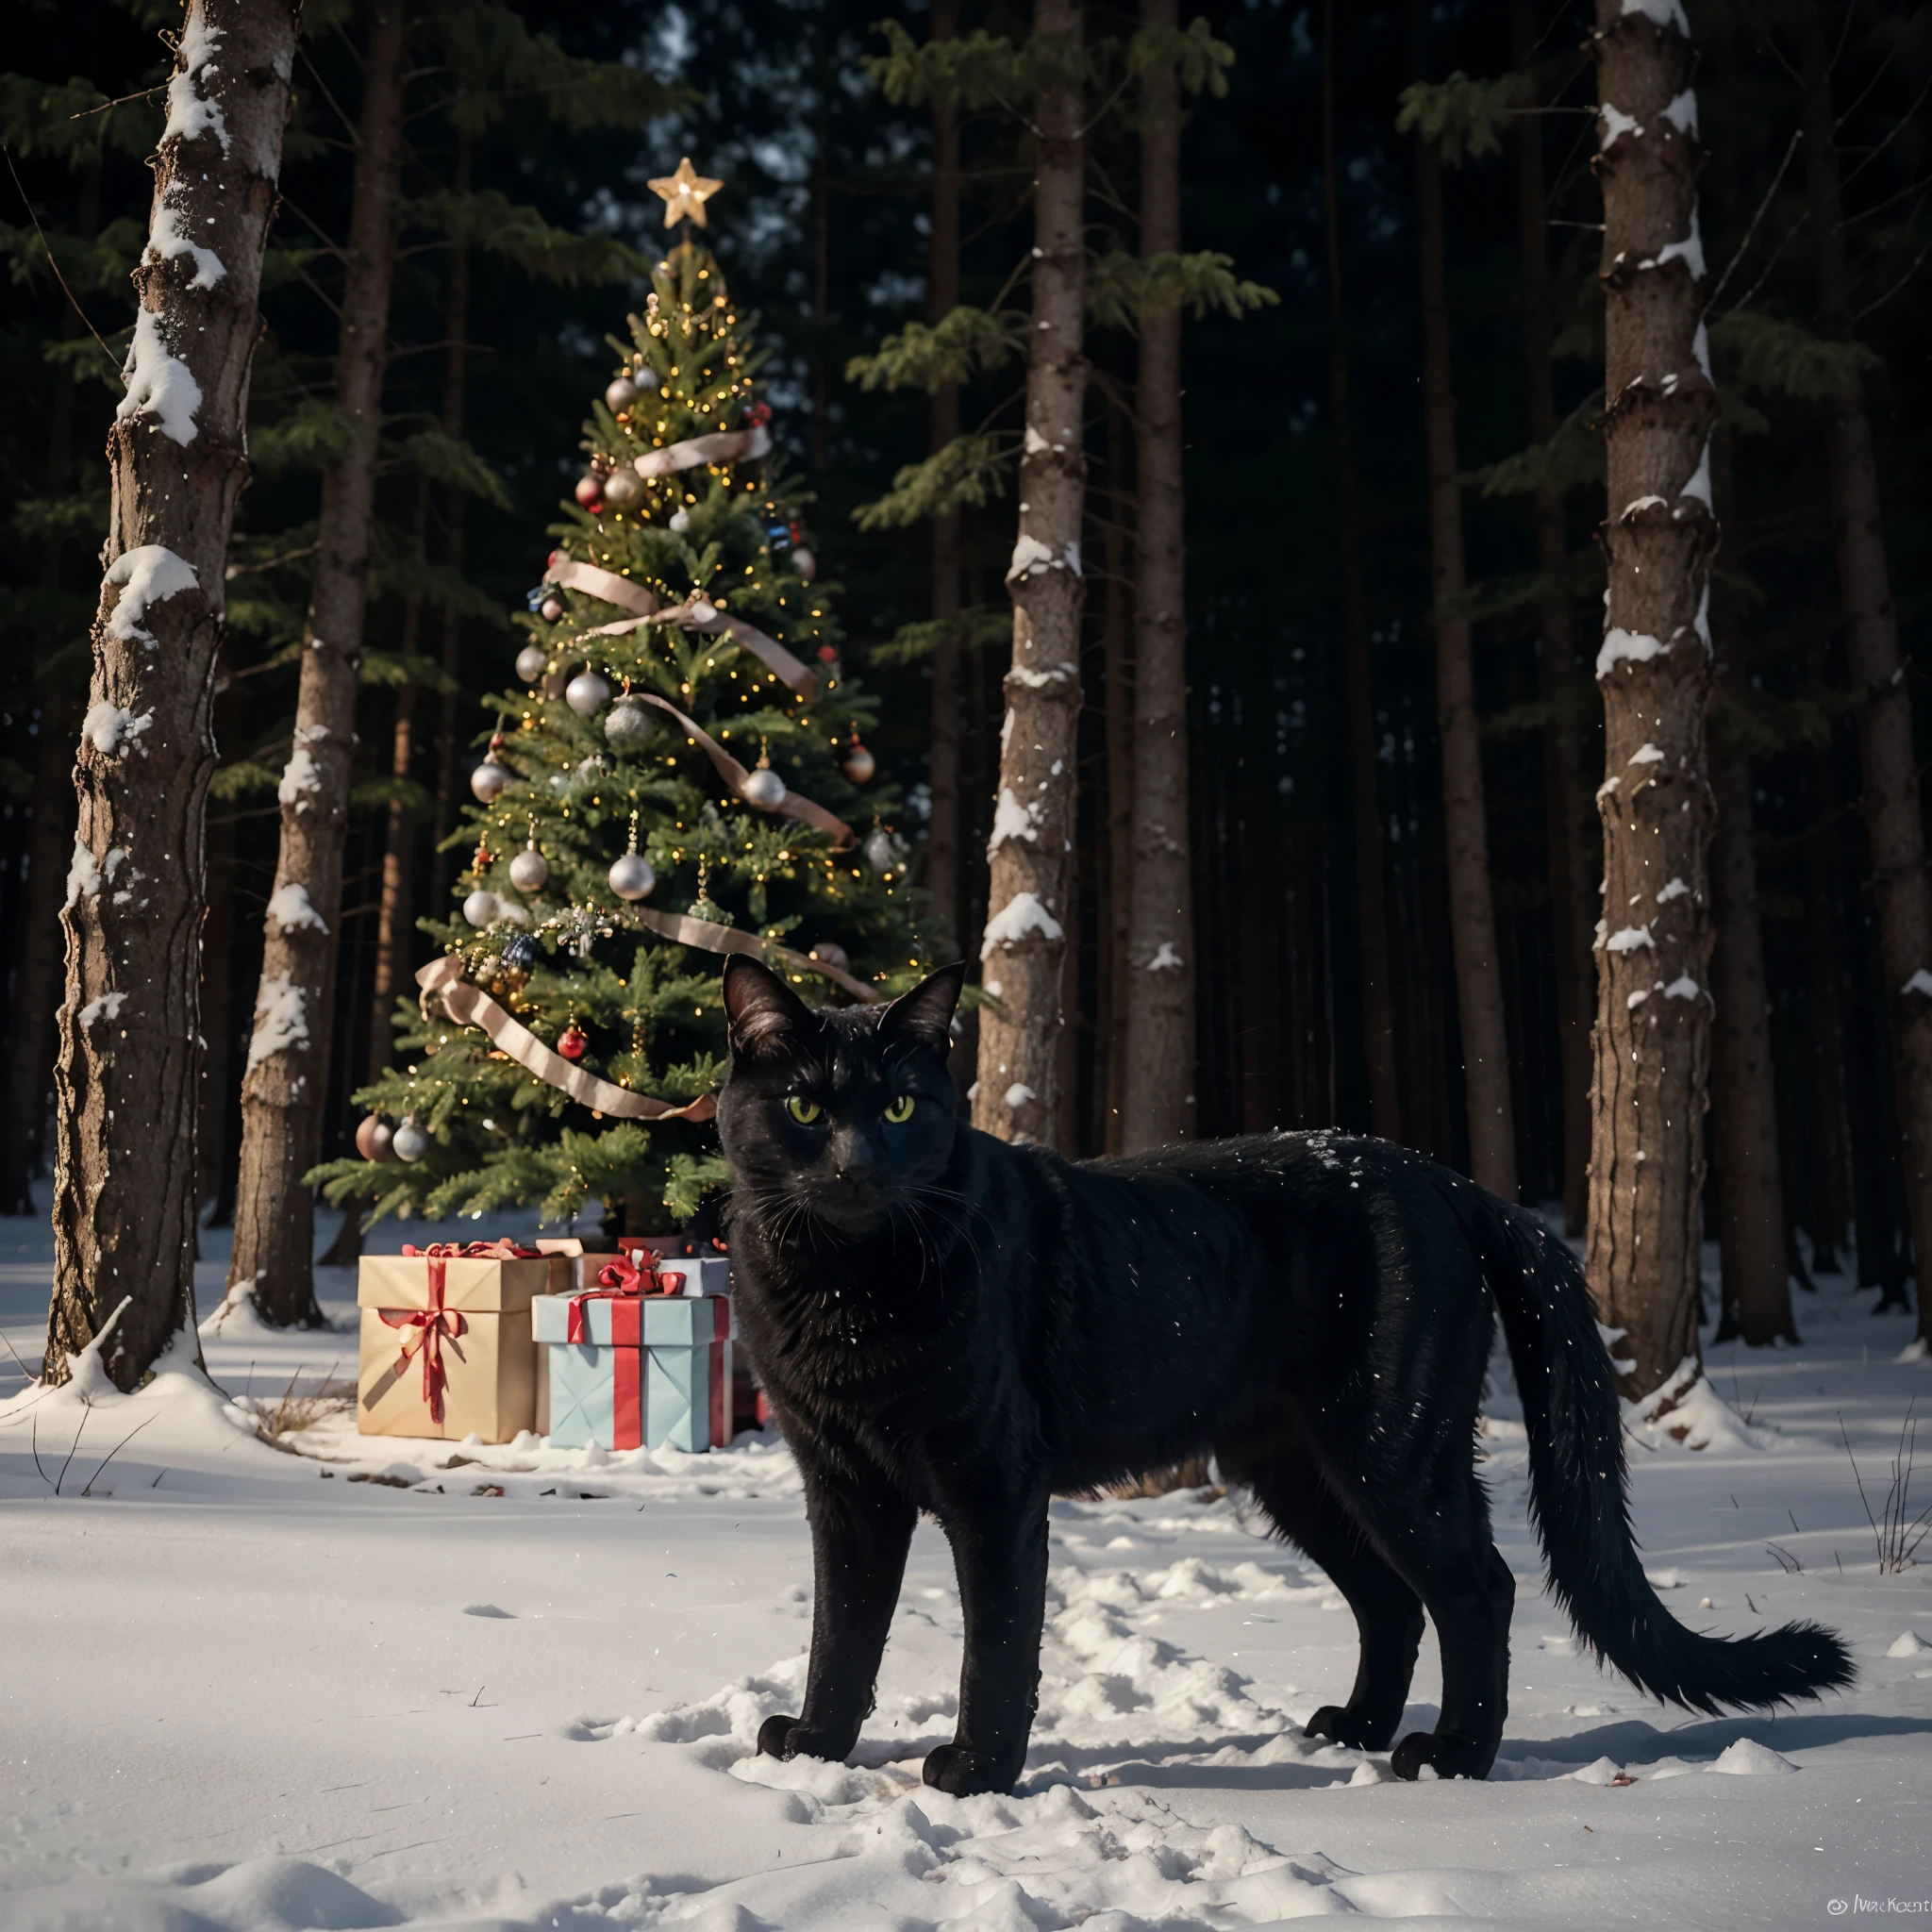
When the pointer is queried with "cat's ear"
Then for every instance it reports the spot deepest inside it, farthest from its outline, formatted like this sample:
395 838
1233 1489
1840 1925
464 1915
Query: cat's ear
924 1015
759 1006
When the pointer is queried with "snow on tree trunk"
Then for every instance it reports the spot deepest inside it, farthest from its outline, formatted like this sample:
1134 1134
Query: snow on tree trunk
1472 912
1159 1073
1031 849
285 1085
942 296
1757 1283
128 1049
1371 899
1651 1043
1895 819
1566 800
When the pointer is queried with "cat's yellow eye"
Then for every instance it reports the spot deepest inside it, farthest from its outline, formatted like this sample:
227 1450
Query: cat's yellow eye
899 1108
803 1110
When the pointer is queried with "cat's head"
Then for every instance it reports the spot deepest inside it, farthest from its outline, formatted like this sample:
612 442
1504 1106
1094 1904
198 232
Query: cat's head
844 1114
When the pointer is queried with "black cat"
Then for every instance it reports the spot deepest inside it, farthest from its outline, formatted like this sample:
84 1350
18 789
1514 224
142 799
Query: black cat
948 1323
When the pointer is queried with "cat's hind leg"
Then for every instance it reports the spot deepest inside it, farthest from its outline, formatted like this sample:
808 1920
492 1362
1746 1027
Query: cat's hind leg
1434 1523
1388 1613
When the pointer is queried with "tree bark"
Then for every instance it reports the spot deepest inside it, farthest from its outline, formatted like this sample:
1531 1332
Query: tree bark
395 900
128 1052
217 988
1116 643
1830 1175
1372 896
1757 1283
455 370
941 298
285 1087
1651 1045
1472 911
1030 852
1160 1106
1895 819
1566 799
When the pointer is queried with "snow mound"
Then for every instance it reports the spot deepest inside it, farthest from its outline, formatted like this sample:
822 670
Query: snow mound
1910 1644
1747 1757
257 1895
1688 1413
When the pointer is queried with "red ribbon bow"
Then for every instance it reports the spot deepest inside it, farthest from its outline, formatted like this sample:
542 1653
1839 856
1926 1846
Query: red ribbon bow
502 1249
431 1323
621 1280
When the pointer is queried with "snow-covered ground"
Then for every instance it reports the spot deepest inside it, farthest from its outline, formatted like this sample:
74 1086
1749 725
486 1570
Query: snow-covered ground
341 1683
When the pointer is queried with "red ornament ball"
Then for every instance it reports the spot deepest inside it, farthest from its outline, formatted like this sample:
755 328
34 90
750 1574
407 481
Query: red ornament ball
589 492
828 654
570 1044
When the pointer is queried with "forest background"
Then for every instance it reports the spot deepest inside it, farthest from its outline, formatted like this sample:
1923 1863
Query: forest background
527 225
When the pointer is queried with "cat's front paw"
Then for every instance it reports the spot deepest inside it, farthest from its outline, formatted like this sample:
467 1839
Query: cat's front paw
786 1737
1355 1729
1446 1754
964 1774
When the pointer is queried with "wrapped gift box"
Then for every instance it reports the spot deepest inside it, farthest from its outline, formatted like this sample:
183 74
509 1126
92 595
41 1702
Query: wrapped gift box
635 1370
445 1343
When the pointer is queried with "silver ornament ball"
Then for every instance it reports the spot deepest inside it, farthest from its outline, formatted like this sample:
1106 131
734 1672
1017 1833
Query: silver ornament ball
480 908
860 765
532 662
831 953
489 781
882 851
411 1143
620 395
631 877
622 487
765 789
587 694
680 521
529 870
804 563
630 725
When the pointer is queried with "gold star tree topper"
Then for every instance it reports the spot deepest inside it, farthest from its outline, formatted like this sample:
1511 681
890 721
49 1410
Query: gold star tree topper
685 194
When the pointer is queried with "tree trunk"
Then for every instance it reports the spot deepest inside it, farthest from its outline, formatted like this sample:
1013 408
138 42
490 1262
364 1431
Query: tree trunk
1651 1045
217 996
285 1087
455 370
1161 1107
1116 639
1825 1030
1030 852
1566 801
1756 1294
1472 912
126 1057
1895 820
1371 897
941 298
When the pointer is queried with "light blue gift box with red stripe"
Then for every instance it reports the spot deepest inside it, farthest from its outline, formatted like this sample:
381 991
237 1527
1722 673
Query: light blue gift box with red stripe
631 1366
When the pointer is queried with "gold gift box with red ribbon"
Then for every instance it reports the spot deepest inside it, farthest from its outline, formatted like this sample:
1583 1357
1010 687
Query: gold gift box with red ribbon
445 1344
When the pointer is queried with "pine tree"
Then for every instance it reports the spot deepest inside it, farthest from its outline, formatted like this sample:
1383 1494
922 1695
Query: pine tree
616 853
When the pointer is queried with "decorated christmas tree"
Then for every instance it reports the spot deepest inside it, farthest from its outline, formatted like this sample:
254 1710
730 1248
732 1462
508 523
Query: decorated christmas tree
683 777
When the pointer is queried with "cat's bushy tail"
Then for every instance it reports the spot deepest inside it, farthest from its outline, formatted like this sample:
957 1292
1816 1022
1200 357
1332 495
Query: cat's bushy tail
1579 1501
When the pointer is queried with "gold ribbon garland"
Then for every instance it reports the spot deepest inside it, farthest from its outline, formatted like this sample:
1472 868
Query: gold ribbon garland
609 588
712 938
469 1006
794 805
719 446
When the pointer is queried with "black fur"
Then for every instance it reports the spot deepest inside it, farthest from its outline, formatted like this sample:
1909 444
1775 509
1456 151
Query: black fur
948 1323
